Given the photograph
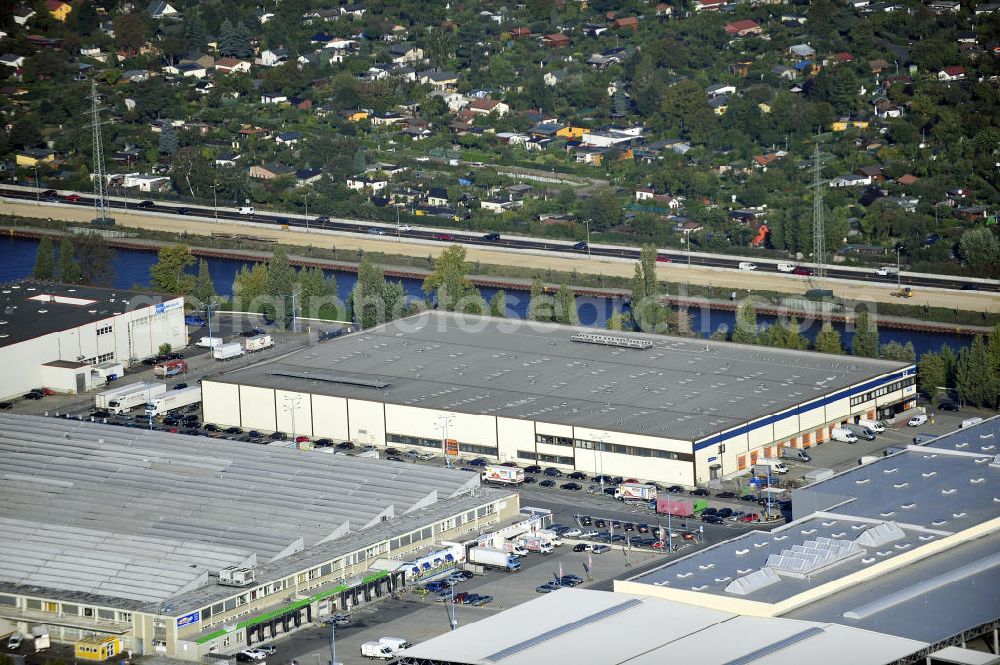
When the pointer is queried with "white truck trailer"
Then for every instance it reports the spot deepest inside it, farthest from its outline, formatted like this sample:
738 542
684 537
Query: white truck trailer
491 558
173 400
503 475
258 343
227 351
127 397
636 493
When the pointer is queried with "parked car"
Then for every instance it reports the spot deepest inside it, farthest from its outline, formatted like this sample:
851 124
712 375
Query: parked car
917 421
571 486
601 549
481 599
949 406
528 480
255 653
337 619
725 513
582 547
590 533
553 472
712 519
700 491
479 461
209 427
254 434
279 436
548 482
571 532
675 489
323 443
726 495
269 649
302 439
534 468
32 396
345 445
234 430
578 475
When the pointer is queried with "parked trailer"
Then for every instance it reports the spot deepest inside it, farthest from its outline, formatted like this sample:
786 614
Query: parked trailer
173 400
170 368
635 492
259 343
228 351
491 558
677 507
128 397
503 475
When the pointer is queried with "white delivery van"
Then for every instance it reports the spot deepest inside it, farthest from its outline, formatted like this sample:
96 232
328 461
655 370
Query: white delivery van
969 422
785 267
843 434
395 643
746 265
767 466
372 650
246 210
796 454
876 426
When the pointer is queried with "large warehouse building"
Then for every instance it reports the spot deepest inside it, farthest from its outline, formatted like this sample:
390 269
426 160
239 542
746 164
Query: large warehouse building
675 410
165 543
52 335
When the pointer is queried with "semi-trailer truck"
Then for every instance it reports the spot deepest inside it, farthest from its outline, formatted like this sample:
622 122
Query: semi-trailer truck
258 343
636 493
170 368
675 507
491 558
228 351
129 397
173 400
503 475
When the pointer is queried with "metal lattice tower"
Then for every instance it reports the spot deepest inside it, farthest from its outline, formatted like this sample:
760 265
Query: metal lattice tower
819 233
100 177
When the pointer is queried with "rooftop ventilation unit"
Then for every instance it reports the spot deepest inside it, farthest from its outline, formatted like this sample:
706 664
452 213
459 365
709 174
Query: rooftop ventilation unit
743 586
612 340
233 576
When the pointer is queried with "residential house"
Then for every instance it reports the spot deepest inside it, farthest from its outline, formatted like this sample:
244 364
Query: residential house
987 8
907 203
520 33
944 6
545 129
802 51
886 109
12 60
487 106
520 191
288 138
850 180
763 161
159 9
498 206
94 53
664 10
386 119
719 104
135 75
605 139
191 70
270 171
360 183
908 179
273 57
417 133
151 184
305 177
438 80
709 5
874 173
953 73
455 101
782 71
842 57
58 9
743 28
354 116
35 157
966 37
971 213
273 98
353 10
247 132
22 15
232 65
438 197
842 124
403 52
386 168
555 40
227 159
627 22
603 60
878 65
720 89
128 156
554 78
572 133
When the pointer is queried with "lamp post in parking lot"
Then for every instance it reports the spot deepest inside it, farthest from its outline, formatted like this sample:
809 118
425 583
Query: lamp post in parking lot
292 403
443 421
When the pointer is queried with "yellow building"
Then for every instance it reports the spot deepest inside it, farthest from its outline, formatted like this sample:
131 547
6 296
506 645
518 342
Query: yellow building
35 157
357 116
842 124
58 9
97 647
573 133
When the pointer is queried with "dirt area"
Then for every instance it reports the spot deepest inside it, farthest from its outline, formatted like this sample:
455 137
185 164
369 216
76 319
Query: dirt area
672 272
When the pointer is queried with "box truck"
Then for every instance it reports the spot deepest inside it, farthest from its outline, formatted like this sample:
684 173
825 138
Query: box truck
503 475
170 368
633 493
537 544
173 400
550 536
227 351
666 505
796 454
493 558
259 343
514 548
127 397
397 644
841 434
40 640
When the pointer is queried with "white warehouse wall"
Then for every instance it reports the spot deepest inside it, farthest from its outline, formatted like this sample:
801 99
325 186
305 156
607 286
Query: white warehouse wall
367 422
220 403
257 408
329 417
292 403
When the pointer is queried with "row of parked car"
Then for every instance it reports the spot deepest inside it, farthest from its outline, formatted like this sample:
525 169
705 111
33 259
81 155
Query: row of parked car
445 592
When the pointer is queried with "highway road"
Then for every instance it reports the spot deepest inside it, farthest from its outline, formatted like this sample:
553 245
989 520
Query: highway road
511 243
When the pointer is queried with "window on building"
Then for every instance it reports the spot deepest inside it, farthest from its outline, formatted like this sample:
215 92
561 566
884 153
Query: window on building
634 451
105 357
8 600
32 604
104 330
553 440
106 614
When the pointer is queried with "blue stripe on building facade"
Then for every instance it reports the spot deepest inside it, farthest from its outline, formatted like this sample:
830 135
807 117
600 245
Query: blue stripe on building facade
804 408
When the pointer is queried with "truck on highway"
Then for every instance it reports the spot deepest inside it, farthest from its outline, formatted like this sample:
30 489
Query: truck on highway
228 351
503 475
127 397
493 558
636 493
258 343
173 400
170 368
666 505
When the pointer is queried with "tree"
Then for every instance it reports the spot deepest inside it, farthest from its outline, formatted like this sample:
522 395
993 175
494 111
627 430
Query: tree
449 284
168 142
130 33
373 301
619 102
975 379
931 373
194 33
566 312
865 342
616 321
235 41
828 340
540 307
498 303
45 259
204 289
318 293
168 273
993 348
893 350
648 311
249 286
745 331
95 258
69 269
164 349
281 278
980 250
950 361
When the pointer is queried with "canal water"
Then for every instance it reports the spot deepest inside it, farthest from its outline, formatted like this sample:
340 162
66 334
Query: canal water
131 267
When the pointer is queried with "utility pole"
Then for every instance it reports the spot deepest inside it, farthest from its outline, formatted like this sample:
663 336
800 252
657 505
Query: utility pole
443 422
291 406
296 295
819 234
588 237
100 177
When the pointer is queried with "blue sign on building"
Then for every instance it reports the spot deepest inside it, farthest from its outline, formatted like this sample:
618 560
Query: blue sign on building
189 619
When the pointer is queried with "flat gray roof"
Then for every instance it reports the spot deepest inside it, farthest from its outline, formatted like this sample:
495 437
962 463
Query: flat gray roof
983 439
128 513
602 628
676 387
30 309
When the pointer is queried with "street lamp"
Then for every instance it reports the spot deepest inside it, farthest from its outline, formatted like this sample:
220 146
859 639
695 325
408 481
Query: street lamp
443 421
898 248
587 222
215 200
599 447
687 239
38 195
292 403
305 195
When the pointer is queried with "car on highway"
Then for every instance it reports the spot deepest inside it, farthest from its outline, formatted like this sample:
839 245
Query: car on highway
145 204
491 237
800 270
580 246
376 232
571 486
747 266
446 237
73 198
660 258
322 219
548 482
917 421
182 210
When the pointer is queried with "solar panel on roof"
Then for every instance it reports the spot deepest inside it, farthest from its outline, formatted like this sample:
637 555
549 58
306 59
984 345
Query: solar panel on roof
774 647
